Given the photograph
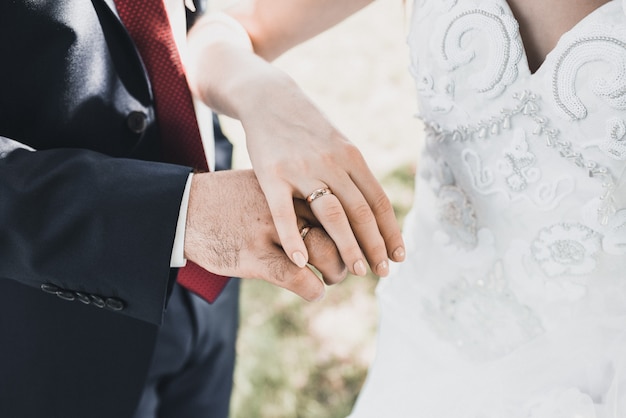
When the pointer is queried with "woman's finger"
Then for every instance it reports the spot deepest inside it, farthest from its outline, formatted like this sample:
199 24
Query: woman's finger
382 209
281 205
329 211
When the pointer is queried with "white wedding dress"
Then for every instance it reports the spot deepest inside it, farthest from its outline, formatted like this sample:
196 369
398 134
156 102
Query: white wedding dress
512 301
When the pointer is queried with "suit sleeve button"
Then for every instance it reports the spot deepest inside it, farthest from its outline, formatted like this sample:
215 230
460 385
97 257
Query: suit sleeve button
50 288
66 295
137 122
97 301
114 304
83 297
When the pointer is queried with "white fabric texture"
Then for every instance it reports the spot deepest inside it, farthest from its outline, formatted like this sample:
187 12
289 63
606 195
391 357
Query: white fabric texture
512 303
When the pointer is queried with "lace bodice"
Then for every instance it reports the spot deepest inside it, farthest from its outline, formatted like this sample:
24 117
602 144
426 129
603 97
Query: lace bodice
521 181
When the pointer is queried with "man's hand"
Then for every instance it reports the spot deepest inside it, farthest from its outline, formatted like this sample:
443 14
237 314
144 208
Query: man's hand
230 232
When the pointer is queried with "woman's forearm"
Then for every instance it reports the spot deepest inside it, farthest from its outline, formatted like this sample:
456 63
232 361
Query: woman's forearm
224 73
275 26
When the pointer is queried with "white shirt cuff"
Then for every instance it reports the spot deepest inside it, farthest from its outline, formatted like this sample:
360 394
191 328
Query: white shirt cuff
178 250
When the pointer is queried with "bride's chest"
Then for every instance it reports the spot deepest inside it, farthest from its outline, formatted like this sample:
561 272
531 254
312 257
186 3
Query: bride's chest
466 54
485 109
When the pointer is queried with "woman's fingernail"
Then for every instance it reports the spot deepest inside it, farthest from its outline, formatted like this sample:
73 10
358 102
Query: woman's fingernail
359 268
299 259
399 254
382 269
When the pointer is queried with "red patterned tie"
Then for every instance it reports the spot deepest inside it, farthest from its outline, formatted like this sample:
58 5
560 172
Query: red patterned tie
149 27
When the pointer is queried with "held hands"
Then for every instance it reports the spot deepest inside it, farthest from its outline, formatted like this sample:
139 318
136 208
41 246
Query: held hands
295 151
230 231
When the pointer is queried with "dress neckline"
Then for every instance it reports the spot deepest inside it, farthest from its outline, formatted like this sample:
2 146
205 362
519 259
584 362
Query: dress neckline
576 26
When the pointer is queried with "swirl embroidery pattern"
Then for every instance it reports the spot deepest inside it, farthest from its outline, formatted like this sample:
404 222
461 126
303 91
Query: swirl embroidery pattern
503 37
612 88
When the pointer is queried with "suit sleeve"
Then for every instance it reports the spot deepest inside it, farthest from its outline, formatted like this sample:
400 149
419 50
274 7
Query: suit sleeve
90 228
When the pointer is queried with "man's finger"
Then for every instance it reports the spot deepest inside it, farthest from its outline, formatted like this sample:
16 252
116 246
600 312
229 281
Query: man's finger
324 256
278 270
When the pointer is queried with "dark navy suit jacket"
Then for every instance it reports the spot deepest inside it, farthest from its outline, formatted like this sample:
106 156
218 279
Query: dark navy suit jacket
87 221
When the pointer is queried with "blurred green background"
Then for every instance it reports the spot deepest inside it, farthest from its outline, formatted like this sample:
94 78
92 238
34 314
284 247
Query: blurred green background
309 360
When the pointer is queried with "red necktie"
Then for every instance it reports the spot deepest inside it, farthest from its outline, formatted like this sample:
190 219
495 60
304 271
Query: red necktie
149 27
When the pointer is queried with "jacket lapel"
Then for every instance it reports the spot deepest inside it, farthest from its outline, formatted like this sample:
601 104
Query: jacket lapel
111 5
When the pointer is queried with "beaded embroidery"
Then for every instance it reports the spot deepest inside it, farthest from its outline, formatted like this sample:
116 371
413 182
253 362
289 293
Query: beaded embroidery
518 168
457 216
528 107
503 37
580 52
566 248
615 143
518 164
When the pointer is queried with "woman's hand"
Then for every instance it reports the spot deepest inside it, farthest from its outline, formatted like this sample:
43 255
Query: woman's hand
295 151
